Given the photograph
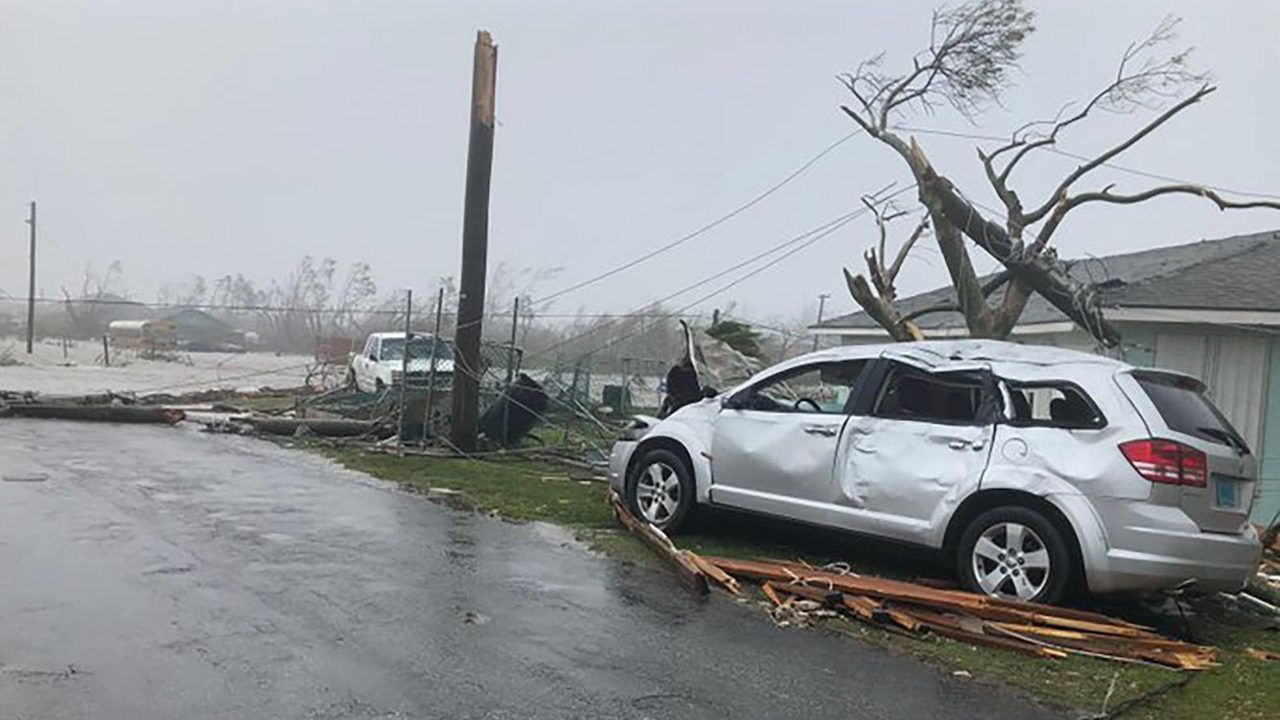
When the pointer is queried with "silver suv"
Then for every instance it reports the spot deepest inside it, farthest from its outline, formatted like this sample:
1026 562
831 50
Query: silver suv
1034 468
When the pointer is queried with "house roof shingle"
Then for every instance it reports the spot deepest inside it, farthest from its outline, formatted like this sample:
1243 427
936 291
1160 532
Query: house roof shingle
1235 273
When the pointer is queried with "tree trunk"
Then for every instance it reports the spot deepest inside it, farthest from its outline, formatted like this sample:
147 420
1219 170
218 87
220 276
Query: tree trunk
1041 273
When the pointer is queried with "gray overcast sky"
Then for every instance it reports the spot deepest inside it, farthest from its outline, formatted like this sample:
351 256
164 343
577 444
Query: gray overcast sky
223 137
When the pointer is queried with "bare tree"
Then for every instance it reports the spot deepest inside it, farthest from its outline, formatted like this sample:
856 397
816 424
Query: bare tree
973 48
880 303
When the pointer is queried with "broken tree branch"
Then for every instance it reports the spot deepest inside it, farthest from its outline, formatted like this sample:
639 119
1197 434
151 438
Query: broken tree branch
1061 191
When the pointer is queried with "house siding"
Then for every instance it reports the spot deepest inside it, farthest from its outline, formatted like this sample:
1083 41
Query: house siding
1268 502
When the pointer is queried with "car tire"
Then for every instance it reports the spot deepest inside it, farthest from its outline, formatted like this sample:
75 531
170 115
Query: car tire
379 386
1014 553
660 490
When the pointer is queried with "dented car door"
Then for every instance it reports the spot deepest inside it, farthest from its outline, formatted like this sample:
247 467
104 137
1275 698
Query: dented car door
917 444
774 444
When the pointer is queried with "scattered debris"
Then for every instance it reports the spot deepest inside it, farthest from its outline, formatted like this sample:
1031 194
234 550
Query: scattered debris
322 427
1264 655
799 593
517 410
1040 630
169 569
24 478
687 570
96 413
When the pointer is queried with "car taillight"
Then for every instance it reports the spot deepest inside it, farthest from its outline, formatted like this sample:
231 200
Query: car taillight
1167 462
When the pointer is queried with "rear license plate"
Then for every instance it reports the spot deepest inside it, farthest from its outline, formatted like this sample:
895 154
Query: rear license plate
1226 492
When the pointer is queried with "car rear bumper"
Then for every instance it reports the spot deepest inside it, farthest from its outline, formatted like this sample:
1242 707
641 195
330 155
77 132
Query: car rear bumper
1155 547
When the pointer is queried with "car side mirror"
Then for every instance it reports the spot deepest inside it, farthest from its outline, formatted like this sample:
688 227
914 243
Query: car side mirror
373 357
740 401
708 393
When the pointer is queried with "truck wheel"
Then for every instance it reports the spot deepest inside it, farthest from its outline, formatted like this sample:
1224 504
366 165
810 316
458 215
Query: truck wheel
1014 553
660 489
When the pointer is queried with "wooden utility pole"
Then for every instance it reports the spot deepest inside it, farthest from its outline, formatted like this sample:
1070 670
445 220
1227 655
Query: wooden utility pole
822 305
475 247
31 284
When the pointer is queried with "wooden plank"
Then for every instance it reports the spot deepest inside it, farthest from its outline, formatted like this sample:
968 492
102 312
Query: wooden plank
687 572
969 603
827 597
727 581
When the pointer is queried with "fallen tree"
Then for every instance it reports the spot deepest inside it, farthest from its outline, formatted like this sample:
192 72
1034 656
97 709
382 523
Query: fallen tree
967 66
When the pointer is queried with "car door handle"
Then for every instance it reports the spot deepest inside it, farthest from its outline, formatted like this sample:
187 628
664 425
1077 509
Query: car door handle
821 430
958 444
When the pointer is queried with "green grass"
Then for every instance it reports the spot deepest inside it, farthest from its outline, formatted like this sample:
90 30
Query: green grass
523 490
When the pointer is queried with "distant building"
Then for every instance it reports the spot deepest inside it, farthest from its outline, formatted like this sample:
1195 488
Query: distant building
1210 309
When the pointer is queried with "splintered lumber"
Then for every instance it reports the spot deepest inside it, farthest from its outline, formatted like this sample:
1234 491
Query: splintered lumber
726 581
1034 629
96 413
863 608
825 598
687 571
955 600
1265 655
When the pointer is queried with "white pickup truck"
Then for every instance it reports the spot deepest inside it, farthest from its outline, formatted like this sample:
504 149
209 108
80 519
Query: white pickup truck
379 365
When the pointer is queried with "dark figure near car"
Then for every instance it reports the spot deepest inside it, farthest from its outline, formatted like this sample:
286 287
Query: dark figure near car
682 387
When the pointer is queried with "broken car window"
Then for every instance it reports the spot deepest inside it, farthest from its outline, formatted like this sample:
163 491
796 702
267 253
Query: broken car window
912 394
824 388
1051 404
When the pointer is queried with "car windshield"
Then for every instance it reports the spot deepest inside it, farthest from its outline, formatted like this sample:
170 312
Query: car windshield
1185 408
420 348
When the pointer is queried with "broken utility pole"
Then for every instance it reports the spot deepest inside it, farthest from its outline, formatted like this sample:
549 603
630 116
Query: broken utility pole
475 246
31 286
822 305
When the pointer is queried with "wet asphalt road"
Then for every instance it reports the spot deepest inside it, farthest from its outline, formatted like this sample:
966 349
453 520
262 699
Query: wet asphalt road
165 573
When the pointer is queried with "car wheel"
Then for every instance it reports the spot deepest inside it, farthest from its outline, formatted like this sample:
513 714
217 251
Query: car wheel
379 386
660 489
1014 553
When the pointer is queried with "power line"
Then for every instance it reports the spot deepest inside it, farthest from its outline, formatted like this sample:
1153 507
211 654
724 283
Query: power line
1085 158
705 228
835 222
812 236
109 302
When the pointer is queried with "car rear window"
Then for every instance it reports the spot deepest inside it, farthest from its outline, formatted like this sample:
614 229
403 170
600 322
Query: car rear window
1185 408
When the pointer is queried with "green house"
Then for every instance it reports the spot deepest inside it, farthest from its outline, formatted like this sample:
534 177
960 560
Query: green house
1209 308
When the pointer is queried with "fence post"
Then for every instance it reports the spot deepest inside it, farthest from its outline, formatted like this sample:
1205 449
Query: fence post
106 352
404 370
431 374
511 373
